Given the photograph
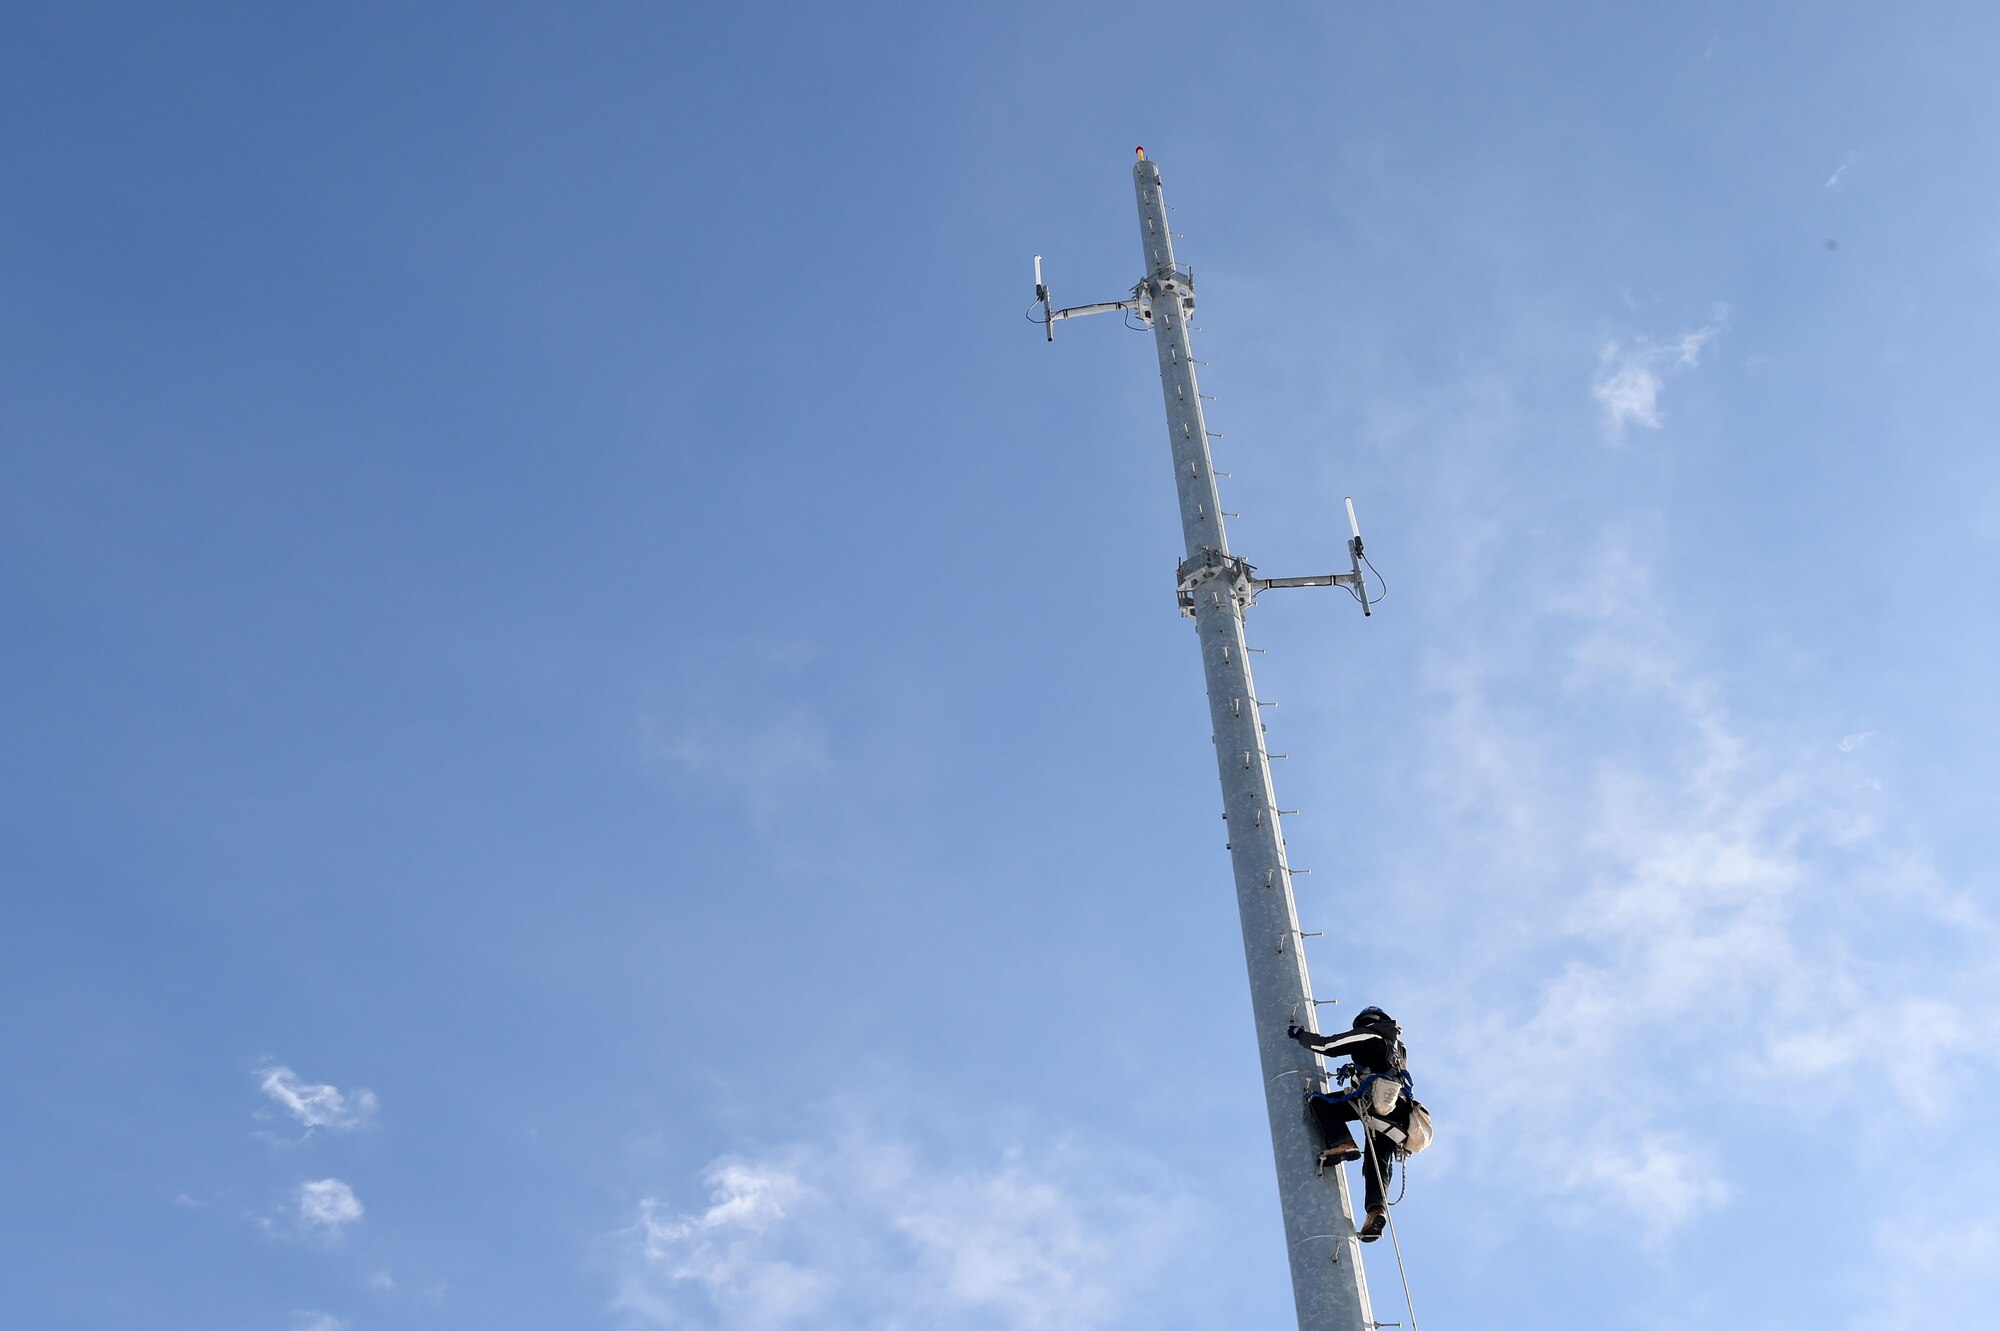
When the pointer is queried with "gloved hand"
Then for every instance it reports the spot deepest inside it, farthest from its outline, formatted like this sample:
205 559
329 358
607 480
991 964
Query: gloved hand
1294 1031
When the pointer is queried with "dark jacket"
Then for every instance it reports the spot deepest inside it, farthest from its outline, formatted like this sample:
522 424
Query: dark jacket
1372 1050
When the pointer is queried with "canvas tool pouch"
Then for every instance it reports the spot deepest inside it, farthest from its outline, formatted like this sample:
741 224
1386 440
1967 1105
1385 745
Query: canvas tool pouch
1418 1135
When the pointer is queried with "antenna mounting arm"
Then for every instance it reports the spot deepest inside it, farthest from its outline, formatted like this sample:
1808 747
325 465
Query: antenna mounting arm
1140 300
1316 580
1356 581
1102 307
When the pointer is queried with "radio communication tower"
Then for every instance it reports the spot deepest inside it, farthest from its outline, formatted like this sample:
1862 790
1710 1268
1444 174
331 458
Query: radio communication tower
1215 589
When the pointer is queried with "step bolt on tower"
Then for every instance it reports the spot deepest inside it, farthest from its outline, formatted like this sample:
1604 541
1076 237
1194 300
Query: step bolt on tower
1215 589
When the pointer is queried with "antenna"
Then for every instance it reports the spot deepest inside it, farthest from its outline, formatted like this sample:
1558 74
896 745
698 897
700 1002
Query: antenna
1042 295
1354 554
1216 590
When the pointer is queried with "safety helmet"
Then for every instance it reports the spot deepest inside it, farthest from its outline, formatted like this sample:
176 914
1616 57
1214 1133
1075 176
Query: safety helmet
1374 1017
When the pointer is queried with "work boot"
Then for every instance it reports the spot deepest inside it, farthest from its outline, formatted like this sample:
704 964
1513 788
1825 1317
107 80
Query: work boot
1339 1152
1378 1216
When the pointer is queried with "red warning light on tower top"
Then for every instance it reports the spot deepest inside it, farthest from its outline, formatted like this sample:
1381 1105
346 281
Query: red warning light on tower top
1141 150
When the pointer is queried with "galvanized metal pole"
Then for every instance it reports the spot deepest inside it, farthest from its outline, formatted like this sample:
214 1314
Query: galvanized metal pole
1328 1284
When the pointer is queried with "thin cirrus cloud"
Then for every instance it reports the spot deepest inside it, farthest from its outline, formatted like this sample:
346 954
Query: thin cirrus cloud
864 1230
1633 372
1622 856
1947 1265
328 1206
765 762
1684 869
314 1320
317 1104
740 727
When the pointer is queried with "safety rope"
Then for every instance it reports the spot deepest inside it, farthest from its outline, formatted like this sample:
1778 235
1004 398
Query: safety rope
1369 1156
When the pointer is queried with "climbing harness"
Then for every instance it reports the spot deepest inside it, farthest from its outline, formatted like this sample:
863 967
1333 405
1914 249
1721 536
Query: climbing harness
1375 1095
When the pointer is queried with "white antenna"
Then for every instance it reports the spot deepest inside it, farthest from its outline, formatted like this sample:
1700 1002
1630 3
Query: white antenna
1356 557
1042 296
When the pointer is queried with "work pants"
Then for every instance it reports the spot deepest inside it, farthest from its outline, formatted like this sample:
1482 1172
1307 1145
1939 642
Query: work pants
1378 1158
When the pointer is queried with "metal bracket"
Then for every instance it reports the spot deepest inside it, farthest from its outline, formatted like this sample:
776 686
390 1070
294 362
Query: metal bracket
1208 566
1179 284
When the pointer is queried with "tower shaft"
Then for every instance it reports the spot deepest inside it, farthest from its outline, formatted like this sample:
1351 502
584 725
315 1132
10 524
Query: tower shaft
1328 1284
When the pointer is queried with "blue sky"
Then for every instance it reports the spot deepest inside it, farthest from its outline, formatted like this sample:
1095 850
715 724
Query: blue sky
599 736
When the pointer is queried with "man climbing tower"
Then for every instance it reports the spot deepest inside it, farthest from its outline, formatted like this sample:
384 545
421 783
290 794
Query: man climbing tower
1374 1088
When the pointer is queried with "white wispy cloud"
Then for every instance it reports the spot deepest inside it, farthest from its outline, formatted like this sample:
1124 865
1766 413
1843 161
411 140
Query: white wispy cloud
1677 971
861 1230
317 1104
1658 877
1933 1268
1658 1178
734 724
1633 372
756 757
1849 743
328 1205
1833 181
312 1320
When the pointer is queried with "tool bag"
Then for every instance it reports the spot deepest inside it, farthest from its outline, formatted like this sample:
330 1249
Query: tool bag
1418 1135
1381 1094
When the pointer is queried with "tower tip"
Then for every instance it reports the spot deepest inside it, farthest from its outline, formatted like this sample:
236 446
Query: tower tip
1141 151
